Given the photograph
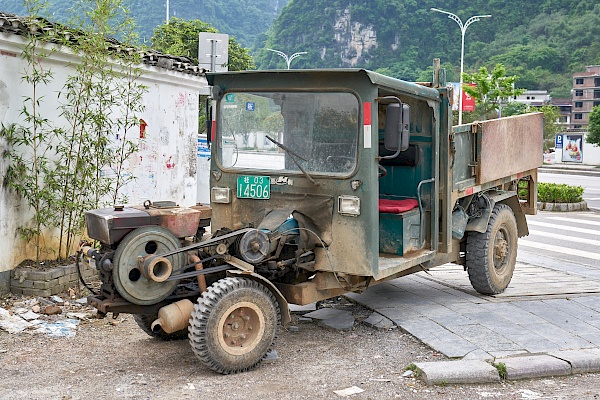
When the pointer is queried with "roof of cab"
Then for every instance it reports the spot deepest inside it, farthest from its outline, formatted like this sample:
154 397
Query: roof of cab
383 81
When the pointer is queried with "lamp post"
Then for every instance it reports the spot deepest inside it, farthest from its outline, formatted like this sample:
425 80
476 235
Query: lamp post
287 59
167 12
463 29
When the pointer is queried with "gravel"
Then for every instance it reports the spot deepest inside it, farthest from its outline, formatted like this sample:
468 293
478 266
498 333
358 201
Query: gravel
114 359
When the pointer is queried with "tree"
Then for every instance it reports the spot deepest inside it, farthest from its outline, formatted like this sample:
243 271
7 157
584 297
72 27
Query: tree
180 38
593 136
492 88
551 125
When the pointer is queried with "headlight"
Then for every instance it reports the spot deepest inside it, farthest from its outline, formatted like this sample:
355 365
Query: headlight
349 205
221 195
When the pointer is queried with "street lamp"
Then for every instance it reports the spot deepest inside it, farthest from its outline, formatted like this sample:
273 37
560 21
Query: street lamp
167 12
463 29
287 59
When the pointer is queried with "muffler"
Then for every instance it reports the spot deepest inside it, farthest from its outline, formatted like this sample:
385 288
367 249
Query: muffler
174 317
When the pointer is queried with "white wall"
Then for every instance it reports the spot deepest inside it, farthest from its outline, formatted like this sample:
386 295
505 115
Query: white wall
590 154
165 166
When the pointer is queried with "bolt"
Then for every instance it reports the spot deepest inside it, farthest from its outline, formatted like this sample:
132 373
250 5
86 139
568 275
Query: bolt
246 318
231 316
226 335
249 328
242 337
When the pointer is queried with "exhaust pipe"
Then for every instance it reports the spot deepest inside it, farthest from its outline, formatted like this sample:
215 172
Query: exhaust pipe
201 278
174 317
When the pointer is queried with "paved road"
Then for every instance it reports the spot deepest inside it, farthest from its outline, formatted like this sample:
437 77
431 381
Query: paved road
552 303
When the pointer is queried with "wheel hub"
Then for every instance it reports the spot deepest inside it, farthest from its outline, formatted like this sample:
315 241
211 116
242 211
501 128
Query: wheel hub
241 328
501 250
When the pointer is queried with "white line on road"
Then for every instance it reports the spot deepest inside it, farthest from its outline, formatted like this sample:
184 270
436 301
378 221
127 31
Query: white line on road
579 221
558 249
564 238
565 228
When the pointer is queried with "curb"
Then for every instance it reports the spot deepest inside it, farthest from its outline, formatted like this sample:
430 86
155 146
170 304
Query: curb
581 206
558 363
584 172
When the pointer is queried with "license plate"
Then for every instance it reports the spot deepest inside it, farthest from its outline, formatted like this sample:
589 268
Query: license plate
253 187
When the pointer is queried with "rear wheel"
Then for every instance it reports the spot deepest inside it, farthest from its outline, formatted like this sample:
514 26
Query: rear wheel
145 322
491 256
234 325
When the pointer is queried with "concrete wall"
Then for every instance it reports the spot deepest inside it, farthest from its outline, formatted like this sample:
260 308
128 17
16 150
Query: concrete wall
165 166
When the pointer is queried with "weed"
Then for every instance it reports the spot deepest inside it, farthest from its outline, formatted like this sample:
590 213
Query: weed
501 367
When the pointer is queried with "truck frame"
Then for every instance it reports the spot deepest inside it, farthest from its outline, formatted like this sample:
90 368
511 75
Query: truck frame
322 182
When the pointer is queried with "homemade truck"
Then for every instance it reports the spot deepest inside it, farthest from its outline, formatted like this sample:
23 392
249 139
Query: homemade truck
322 182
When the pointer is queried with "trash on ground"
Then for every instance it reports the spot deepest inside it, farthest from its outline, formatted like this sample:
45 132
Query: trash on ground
348 391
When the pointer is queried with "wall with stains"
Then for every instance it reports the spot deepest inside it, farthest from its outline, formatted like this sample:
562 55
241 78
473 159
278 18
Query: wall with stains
164 167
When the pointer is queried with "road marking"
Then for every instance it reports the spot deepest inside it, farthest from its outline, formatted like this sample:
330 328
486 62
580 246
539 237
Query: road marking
565 238
579 221
558 249
565 228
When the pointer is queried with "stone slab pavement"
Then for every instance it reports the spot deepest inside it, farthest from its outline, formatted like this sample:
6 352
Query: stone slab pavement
543 312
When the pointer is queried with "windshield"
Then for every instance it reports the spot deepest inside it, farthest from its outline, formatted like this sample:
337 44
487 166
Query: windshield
289 132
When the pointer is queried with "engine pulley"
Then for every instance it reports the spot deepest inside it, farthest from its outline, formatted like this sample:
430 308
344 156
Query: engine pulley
254 246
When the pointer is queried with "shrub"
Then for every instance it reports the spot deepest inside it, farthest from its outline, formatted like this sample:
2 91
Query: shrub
559 193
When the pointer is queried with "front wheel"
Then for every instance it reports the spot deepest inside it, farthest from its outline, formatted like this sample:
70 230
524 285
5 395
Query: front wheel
492 255
234 325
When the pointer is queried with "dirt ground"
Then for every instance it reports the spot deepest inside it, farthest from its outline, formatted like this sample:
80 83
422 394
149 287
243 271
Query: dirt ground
114 359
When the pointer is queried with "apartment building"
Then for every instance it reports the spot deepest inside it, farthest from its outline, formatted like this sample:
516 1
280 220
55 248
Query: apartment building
586 95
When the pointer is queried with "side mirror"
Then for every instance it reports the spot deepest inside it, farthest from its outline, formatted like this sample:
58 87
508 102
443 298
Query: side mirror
397 127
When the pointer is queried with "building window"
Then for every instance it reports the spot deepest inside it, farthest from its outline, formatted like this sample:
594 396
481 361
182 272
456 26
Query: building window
528 98
579 81
578 104
597 93
578 116
576 126
596 82
579 93
596 103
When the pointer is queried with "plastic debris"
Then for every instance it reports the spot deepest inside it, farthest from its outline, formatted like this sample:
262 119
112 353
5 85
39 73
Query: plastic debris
62 328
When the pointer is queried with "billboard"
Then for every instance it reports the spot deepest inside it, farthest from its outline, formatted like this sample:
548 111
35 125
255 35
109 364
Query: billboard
468 103
572 148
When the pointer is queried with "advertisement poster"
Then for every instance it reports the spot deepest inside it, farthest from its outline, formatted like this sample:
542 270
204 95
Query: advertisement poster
468 103
572 148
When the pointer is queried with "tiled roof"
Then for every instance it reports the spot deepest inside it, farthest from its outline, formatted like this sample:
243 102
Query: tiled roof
21 26
565 101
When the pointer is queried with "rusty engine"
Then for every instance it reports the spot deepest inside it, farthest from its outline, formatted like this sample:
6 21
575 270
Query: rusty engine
158 253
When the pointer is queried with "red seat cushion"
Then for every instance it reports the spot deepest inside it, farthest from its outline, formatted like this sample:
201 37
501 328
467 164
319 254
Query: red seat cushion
397 206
